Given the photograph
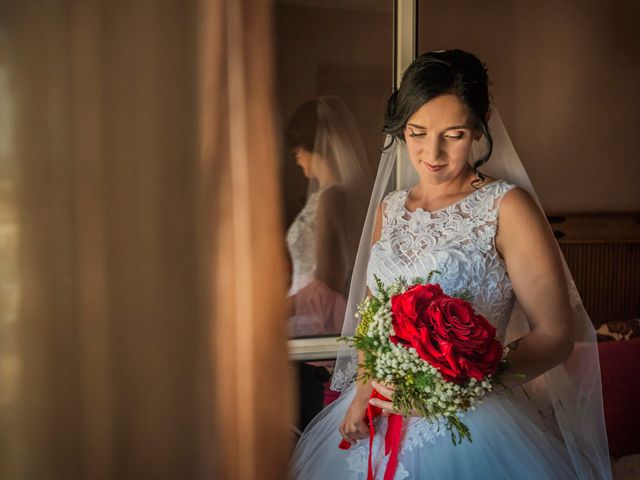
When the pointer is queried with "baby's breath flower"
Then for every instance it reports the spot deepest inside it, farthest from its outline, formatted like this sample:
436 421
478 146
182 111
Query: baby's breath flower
418 383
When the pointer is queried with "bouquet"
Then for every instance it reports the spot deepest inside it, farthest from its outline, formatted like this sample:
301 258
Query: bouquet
441 356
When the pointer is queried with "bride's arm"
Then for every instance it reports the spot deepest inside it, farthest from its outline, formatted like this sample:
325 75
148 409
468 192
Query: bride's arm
353 426
526 242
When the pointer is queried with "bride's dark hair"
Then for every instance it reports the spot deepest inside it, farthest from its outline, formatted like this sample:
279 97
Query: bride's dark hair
437 73
302 128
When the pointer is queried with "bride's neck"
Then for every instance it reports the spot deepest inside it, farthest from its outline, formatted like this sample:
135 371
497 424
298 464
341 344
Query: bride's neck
325 178
453 187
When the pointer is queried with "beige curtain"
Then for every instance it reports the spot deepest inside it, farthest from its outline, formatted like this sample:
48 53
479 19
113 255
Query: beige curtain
147 340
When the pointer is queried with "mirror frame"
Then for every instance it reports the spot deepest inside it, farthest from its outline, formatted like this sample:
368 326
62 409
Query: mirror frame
405 46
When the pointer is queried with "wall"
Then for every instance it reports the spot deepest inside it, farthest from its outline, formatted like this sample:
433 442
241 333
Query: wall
342 49
565 80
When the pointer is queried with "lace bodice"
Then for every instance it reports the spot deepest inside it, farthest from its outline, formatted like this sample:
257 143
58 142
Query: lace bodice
301 242
457 240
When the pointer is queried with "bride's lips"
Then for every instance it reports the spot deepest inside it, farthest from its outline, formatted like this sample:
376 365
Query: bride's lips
434 168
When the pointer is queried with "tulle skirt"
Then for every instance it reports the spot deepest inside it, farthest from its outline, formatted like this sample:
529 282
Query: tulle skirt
510 441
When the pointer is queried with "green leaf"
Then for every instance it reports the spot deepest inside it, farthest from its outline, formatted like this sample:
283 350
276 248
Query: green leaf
431 274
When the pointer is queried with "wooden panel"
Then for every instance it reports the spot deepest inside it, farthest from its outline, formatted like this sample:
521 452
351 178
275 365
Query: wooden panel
608 278
596 227
603 254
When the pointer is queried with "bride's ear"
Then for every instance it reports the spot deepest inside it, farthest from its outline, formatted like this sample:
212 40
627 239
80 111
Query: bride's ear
479 134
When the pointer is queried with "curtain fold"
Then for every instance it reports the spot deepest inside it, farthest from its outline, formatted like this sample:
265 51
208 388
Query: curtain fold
242 148
149 339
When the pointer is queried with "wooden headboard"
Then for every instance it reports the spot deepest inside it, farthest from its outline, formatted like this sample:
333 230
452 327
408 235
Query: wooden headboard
603 254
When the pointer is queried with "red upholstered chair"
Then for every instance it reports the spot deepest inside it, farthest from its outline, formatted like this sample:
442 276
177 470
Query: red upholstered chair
620 368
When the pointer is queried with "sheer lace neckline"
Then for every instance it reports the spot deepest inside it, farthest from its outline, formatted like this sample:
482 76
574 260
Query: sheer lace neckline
451 205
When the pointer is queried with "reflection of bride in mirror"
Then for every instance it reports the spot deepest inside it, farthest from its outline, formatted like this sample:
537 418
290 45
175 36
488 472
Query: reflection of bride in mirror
323 238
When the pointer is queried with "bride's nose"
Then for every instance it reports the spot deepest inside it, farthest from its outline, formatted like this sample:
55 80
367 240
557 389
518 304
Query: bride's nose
434 150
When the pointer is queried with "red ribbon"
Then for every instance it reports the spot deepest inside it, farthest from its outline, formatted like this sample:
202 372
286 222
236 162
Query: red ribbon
391 439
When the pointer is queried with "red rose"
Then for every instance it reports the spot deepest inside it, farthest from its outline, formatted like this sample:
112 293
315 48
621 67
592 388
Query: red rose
446 332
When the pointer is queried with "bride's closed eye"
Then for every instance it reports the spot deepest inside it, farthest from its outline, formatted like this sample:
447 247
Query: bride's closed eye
455 137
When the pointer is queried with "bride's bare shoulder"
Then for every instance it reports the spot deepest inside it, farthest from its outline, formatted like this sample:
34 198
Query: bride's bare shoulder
519 210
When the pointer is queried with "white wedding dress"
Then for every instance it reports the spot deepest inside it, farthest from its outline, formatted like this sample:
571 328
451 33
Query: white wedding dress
317 310
511 439
301 242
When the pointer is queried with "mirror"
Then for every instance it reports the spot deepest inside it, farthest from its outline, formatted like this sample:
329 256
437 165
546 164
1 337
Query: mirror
334 73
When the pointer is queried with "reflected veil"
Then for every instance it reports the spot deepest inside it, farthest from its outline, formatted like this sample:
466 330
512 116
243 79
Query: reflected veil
323 239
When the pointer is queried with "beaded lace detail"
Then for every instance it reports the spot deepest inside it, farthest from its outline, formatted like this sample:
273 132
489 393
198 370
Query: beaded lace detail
301 242
458 241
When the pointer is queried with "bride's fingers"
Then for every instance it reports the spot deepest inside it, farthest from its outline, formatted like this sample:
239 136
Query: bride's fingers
345 432
388 386
348 437
353 433
385 390
387 407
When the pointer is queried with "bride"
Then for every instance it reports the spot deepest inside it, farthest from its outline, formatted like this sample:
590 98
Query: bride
487 235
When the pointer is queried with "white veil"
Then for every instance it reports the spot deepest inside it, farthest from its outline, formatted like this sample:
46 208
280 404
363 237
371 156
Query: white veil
569 396
332 219
338 140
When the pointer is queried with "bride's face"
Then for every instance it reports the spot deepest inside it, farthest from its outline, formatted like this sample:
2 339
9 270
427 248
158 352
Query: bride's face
304 159
439 136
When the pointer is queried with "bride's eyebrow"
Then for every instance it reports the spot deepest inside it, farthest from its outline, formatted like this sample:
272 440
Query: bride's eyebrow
454 127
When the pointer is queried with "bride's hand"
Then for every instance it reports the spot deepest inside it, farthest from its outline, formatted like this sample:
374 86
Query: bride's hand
354 427
387 407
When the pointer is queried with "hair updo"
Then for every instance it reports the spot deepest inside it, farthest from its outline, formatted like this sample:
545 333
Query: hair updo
436 73
303 126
